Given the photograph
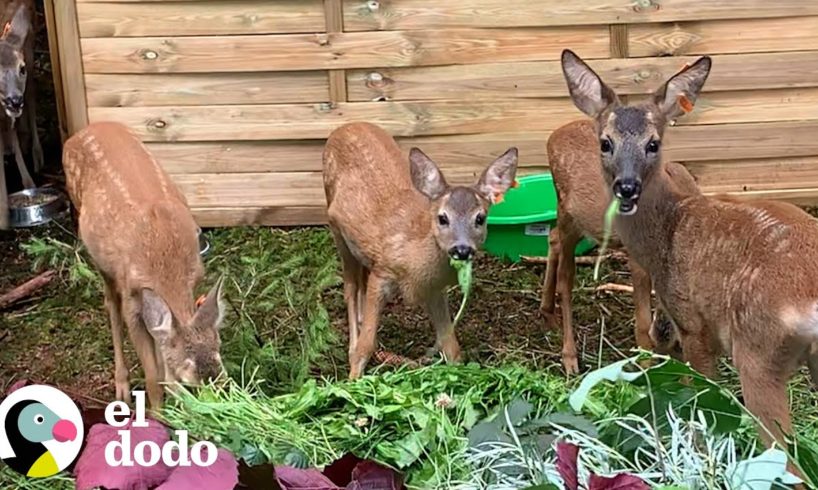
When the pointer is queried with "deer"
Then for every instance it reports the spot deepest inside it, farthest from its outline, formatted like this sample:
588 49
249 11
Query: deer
573 156
17 94
397 223
734 276
141 236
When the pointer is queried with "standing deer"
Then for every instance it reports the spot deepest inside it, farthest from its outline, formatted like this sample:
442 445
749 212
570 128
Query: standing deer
734 277
573 155
396 224
141 235
17 93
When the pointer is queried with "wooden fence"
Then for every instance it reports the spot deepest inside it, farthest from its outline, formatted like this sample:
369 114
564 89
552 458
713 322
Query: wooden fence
235 97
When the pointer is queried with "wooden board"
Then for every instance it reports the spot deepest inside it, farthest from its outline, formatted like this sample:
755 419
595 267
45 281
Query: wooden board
206 18
427 14
260 216
249 190
209 89
239 156
757 174
293 52
545 78
727 36
71 75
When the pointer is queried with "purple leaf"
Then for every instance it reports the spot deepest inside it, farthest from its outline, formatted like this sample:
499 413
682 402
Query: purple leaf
259 477
340 471
93 471
619 482
16 386
223 474
567 454
369 475
297 479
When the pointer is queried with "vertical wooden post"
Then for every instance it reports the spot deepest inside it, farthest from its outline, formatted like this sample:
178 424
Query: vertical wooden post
334 15
619 46
72 77
56 74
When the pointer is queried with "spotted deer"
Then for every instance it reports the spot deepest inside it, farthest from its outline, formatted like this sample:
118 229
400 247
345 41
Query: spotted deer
573 156
735 277
396 223
138 230
17 94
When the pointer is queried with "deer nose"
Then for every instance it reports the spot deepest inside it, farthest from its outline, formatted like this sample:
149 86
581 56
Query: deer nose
461 252
14 102
627 188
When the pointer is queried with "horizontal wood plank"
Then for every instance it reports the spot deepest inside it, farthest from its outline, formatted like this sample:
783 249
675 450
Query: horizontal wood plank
239 156
204 18
260 216
545 78
296 52
764 174
258 189
362 15
206 89
724 36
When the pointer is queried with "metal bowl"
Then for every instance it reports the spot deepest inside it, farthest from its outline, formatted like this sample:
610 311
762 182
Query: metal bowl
204 245
51 204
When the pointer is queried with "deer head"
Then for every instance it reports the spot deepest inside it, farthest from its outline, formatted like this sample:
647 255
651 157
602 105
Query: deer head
13 70
630 135
459 212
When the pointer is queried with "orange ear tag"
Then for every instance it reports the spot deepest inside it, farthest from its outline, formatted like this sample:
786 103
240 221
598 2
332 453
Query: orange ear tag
498 198
685 104
200 300
515 184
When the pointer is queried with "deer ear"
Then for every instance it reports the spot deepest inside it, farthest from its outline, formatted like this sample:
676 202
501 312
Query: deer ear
211 313
499 176
426 176
680 92
588 91
16 31
156 315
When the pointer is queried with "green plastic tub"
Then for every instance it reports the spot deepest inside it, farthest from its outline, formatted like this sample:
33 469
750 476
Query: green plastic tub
520 225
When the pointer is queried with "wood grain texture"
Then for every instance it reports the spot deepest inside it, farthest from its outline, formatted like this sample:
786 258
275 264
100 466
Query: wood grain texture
240 156
765 174
56 66
426 14
260 216
210 89
249 190
289 52
725 36
71 74
334 17
205 18
545 78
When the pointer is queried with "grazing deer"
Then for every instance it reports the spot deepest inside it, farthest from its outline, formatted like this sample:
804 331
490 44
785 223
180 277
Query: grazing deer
396 224
734 277
141 235
16 91
573 155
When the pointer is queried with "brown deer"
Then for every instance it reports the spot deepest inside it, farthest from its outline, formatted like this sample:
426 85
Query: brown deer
734 277
573 156
141 236
17 92
396 223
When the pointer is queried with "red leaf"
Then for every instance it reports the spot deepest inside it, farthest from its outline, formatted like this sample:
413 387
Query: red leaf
93 471
223 474
259 477
297 479
619 482
340 471
369 475
567 454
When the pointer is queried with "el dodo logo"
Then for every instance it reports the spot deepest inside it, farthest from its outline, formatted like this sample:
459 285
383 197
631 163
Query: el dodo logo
41 431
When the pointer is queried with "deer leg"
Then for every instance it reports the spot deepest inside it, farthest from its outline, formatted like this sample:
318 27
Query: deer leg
4 194
438 309
549 283
352 271
146 351
698 349
565 283
113 304
641 300
28 182
367 335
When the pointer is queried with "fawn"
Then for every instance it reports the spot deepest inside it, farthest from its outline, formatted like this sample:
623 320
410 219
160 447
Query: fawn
141 236
734 277
396 224
573 155
17 92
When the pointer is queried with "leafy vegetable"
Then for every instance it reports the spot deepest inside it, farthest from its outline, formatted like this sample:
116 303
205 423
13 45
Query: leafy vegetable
464 279
610 213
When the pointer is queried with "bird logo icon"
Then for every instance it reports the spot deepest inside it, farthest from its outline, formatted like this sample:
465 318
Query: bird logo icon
41 431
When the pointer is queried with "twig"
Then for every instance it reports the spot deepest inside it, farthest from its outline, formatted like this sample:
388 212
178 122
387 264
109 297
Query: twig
390 359
613 287
26 289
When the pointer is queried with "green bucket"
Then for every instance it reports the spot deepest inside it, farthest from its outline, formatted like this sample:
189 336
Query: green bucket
520 225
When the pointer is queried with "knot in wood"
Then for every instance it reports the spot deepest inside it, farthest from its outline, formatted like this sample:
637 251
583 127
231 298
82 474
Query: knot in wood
641 5
149 54
326 106
158 124
373 5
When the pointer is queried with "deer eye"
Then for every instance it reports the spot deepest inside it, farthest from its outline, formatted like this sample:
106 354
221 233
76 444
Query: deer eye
22 70
480 219
652 146
605 146
443 219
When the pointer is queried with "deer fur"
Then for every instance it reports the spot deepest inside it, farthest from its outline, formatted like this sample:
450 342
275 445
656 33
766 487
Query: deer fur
17 96
138 230
396 223
735 277
573 156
